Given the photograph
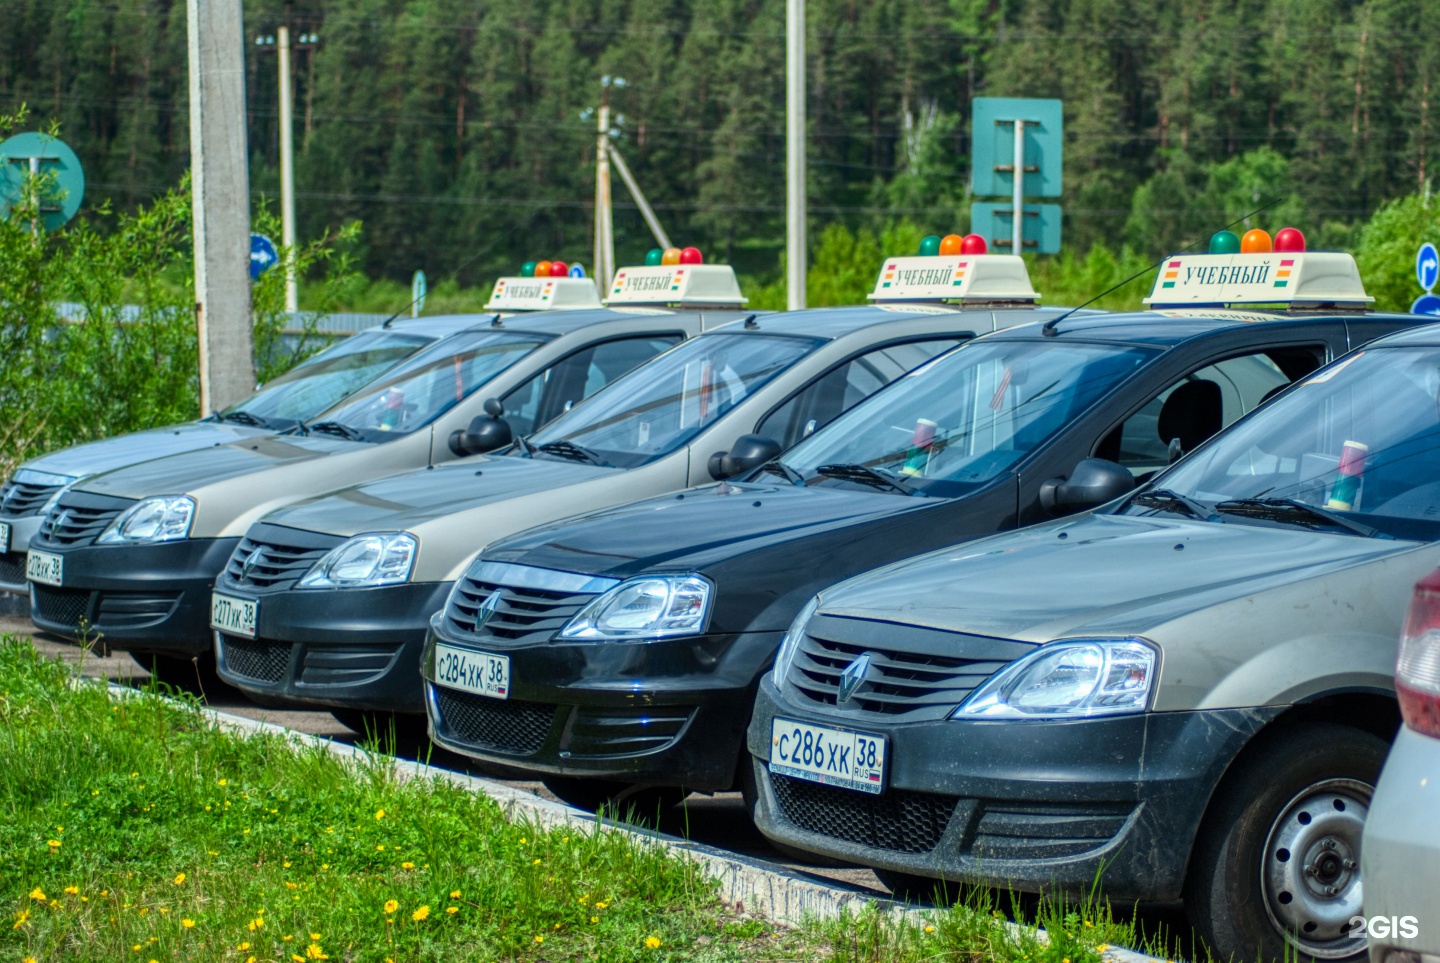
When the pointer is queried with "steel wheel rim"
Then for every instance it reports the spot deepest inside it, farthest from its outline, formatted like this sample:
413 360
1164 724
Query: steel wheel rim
1310 868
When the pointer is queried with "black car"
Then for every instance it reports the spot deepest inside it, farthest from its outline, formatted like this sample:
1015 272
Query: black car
631 641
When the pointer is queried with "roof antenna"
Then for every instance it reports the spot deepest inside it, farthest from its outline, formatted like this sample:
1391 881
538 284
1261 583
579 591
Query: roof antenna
456 273
1049 330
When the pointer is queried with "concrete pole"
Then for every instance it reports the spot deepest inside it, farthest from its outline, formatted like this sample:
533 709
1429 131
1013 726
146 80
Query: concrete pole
220 185
646 211
796 257
287 161
1017 222
604 226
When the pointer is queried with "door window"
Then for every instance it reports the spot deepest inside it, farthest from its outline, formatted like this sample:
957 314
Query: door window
576 377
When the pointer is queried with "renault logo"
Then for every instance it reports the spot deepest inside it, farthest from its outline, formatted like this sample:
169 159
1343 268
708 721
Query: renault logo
487 609
249 564
61 520
851 678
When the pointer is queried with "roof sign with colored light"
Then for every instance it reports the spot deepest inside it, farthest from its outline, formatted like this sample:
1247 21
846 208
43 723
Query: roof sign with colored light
711 285
543 294
960 277
1292 278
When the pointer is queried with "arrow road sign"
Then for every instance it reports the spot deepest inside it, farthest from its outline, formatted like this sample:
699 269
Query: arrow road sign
263 255
1427 266
1426 304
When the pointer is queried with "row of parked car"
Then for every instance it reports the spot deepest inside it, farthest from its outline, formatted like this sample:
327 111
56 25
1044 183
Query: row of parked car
950 585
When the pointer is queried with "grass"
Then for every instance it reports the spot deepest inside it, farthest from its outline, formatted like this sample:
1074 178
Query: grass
134 829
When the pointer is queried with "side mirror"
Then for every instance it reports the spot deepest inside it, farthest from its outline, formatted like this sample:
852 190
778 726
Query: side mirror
1094 482
487 432
748 453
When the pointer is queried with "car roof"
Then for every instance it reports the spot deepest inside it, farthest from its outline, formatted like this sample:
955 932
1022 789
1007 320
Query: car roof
541 322
1427 334
1164 328
834 323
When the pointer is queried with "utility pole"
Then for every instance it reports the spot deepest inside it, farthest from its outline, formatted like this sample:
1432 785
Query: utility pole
604 214
283 45
796 257
220 185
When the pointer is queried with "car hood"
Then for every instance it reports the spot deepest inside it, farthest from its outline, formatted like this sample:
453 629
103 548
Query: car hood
109 454
191 471
1100 574
408 501
694 529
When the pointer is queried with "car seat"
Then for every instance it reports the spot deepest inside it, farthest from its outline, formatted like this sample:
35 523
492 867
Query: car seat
1194 411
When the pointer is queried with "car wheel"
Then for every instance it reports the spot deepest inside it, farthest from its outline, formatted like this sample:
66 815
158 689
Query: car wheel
380 724
911 888
639 804
1276 870
192 675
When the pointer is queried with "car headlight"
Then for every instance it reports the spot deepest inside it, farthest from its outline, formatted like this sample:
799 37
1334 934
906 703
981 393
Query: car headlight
162 519
650 607
790 641
1068 679
363 562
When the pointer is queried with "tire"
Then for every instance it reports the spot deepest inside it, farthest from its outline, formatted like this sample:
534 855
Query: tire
1275 873
639 804
381 725
196 674
909 888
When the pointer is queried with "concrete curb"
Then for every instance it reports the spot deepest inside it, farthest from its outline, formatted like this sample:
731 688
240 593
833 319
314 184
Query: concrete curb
753 886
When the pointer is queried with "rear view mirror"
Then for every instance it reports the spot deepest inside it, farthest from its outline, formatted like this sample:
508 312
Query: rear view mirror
748 453
1094 482
486 433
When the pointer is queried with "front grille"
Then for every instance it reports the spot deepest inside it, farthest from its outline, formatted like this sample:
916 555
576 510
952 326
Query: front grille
255 659
76 526
508 726
914 672
19 499
901 821
63 607
520 615
276 557
346 664
12 568
134 610
624 732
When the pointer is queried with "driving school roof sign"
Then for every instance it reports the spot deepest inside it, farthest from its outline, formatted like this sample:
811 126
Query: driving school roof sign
962 277
543 294
1281 277
700 284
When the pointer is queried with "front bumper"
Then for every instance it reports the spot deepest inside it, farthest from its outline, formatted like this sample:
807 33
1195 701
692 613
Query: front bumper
666 713
345 648
1400 858
12 560
1028 805
145 598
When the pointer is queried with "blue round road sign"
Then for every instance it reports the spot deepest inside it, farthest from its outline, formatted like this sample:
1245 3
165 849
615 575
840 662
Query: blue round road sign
1427 266
1426 304
263 255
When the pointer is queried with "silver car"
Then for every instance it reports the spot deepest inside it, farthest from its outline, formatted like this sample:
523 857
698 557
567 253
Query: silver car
1187 694
1401 851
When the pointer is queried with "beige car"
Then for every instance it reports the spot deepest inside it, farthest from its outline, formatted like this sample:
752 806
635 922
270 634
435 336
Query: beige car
132 554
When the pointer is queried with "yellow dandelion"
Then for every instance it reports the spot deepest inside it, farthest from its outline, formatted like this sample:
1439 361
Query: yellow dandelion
53 843
421 914
136 947
73 890
143 910
212 852
379 814
164 911
286 938
324 865
243 947
20 919
522 840
224 782
179 878
391 906
594 919
454 894
407 865
290 885
929 929
535 863
601 905
1103 947
380 849
28 959
652 942
314 952
249 959
314 937
297 958
188 923
539 939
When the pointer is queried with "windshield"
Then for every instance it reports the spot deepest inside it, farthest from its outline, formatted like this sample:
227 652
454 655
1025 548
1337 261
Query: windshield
960 421
1355 447
321 382
426 386
661 405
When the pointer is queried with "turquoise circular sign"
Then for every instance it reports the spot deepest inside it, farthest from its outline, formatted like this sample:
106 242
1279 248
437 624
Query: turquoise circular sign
36 153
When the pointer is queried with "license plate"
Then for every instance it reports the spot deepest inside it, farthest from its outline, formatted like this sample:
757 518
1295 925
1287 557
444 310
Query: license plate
835 757
4 537
232 615
44 568
478 672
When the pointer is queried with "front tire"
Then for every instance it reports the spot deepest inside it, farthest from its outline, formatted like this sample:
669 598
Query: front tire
1276 871
639 804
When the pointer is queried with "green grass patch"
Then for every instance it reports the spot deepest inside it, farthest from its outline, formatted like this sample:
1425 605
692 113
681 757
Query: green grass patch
132 828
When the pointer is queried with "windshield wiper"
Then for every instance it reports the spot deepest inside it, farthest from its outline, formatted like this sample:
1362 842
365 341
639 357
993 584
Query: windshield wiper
1172 501
866 475
778 467
1293 510
572 451
244 418
335 428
